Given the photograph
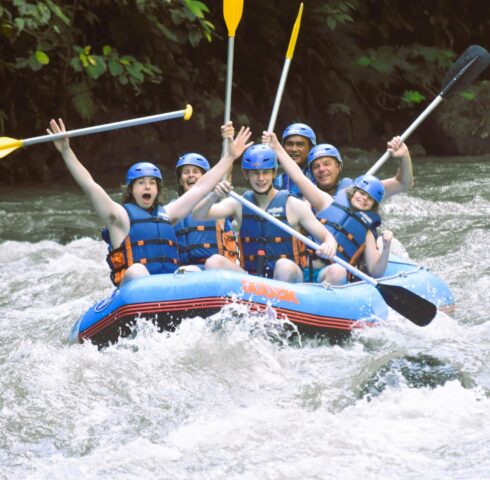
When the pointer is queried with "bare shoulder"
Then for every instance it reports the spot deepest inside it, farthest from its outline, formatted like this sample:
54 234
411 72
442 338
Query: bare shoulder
296 209
296 204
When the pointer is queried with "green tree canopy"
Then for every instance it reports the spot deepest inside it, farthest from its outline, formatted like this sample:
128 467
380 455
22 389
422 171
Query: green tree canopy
362 70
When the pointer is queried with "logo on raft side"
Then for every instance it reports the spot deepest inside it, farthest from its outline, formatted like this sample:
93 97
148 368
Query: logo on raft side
264 290
105 302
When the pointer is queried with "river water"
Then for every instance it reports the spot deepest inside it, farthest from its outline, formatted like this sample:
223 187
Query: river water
395 402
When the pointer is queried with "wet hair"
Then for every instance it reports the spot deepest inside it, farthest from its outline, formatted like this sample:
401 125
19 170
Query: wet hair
350 193
127 193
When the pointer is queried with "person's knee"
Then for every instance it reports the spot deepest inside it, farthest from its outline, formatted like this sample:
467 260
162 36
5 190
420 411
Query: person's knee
287 271
134 271
215 262
333 274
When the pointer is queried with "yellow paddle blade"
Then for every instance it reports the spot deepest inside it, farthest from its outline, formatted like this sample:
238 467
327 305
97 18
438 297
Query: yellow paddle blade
188 112
8 145
294 34
232 11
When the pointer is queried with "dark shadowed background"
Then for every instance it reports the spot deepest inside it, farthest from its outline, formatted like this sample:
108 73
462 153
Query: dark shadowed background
362 72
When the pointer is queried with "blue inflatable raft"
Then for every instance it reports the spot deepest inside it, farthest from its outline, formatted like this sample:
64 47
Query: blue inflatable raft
167 299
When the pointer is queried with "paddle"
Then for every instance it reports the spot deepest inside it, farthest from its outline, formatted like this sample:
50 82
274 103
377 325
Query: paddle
232 12
9 145
285 70
415 308
464 71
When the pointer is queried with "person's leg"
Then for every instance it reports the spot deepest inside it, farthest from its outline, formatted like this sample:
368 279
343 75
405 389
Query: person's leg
219 262
333 274
287 271
134 271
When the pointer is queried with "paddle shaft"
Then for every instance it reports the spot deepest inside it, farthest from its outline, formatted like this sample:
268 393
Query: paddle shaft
280 91
229 81
232 13
406 133
423 115
106 127
229 78
285 70
300 236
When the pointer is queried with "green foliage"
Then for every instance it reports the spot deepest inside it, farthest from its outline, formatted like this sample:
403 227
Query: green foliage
360 66
391 69
467 113
468 95
336 13
62 41
41 57
126 68
81 99
412 97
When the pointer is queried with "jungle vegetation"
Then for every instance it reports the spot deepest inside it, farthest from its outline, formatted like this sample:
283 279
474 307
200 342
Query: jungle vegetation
362 71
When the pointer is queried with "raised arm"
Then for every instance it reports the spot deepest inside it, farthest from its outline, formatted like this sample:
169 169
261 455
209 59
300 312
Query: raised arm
299 213
227 132
226 207
110 213
185 204
403 180
377 262
318 199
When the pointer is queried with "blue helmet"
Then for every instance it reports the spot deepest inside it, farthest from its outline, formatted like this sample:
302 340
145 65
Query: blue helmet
192 159
300 129
259 157
371 185
143 169
324 150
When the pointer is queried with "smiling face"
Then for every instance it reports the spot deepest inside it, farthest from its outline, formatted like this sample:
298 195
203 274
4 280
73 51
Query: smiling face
326 171
145 192
188 176
361 200
297 147
261 180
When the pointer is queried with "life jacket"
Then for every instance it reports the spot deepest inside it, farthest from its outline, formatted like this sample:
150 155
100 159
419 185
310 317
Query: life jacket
310 254
283 182
349 227
199 239
343 183
262 241
151 241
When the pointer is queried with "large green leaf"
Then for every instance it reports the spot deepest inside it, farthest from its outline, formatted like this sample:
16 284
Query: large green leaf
197 8
58 12
96 66
41 57
81 99
115 67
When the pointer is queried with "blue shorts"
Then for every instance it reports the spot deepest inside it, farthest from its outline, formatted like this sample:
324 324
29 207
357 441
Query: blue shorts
314 273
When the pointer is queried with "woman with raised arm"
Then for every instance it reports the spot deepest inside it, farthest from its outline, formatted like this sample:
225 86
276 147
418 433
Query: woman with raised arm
200 239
